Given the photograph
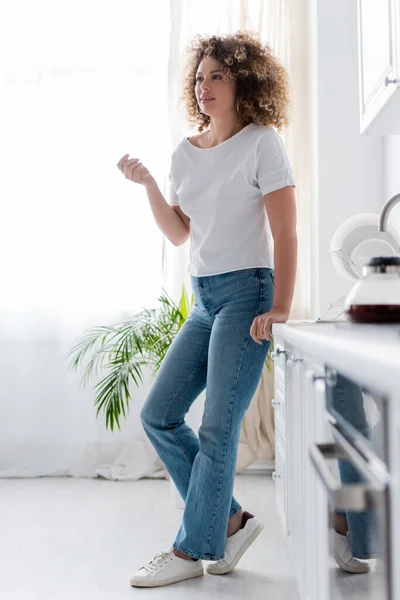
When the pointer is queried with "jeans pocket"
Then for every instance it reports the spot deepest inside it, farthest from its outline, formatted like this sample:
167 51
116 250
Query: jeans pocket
266 275
267 280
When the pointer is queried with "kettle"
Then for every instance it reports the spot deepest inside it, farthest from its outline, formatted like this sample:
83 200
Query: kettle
375 298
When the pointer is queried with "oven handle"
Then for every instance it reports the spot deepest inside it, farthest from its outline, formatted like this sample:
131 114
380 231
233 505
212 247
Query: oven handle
355 497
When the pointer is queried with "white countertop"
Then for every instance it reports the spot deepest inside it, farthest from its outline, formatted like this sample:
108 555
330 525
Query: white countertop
367 351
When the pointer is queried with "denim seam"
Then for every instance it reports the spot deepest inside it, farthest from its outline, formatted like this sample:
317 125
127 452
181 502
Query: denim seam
260 291
241 365
173 404
225 443
220 482
272 277
234 511
179 445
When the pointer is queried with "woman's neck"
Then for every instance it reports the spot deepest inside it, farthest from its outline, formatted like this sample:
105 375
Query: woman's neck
222 129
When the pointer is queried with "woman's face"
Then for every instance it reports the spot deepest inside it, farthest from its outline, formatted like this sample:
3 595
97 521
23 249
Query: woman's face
215 93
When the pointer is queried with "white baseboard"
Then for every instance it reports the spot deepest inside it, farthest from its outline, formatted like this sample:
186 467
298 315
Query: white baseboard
260 466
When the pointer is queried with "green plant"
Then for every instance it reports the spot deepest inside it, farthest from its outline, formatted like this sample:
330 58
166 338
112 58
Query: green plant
123 348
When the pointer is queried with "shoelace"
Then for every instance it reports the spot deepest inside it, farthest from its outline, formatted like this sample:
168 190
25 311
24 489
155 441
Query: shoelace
158 561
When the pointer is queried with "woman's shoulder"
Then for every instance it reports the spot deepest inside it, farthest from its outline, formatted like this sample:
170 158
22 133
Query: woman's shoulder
267 138
264 131
178 150
179 156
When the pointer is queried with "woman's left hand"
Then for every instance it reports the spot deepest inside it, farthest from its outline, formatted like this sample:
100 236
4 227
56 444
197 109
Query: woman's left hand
261 327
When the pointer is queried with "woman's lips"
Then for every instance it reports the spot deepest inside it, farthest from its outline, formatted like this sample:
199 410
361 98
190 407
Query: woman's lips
206 100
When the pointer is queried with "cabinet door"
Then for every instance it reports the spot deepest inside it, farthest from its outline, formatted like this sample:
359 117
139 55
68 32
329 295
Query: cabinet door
319 538
306 505
293 445
279 404
378 68
280 478
314 427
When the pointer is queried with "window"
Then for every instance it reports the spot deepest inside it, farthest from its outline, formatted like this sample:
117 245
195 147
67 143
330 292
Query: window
81 84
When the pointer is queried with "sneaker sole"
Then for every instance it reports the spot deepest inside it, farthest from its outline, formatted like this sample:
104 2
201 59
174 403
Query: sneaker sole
349 569
155 583
213 571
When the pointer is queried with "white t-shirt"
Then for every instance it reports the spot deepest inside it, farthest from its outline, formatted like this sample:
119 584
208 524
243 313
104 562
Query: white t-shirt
221 190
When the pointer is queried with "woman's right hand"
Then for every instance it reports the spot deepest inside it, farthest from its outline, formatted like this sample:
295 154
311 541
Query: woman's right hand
133 170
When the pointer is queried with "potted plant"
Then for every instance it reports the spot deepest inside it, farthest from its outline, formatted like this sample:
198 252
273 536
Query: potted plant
123 348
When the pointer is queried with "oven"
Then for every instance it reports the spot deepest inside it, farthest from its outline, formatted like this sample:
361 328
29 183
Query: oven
353 466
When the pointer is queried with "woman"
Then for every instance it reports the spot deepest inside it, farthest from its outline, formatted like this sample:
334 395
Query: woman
232 189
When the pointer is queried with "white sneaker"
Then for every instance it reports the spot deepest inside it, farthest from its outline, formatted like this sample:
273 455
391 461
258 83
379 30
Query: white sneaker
236 546
166 568
343 556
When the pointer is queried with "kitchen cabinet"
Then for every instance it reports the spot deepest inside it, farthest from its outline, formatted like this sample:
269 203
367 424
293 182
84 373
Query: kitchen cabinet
306 357
279 405
297 494
379 66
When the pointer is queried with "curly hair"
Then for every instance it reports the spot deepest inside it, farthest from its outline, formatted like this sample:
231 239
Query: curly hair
262 86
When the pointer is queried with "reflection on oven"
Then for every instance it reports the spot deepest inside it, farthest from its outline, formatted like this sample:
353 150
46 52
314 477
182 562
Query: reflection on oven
359 539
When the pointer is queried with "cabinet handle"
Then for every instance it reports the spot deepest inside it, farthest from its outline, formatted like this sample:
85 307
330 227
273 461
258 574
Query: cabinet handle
276 353
291 362
275 403
275 476
329 378
354 496
388 81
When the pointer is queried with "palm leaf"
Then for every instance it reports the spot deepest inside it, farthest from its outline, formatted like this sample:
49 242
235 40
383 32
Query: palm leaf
122 349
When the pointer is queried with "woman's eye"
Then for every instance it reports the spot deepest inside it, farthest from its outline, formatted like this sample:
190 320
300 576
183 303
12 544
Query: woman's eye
200 78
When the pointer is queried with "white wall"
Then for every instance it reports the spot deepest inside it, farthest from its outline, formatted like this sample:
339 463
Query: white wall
349 167
392 175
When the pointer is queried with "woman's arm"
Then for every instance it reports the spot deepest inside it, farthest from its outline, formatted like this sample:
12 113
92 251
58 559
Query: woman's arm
170 222
167 219
281 209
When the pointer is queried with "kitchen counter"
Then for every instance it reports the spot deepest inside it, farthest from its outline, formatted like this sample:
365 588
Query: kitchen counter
368 351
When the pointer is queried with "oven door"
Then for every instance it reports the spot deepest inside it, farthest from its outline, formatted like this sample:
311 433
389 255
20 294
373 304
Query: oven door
357 489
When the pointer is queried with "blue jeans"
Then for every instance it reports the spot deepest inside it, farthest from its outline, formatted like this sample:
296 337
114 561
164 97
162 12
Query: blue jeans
213 350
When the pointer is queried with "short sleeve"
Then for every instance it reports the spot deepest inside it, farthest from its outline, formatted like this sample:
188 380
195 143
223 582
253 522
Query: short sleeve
173 196
273 170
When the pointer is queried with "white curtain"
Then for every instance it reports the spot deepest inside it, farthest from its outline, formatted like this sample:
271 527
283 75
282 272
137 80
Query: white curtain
81 84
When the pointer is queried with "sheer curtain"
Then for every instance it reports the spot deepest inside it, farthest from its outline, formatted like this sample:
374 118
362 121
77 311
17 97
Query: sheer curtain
284 25
81 84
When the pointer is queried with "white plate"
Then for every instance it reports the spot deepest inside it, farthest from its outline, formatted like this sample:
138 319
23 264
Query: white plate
357 240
